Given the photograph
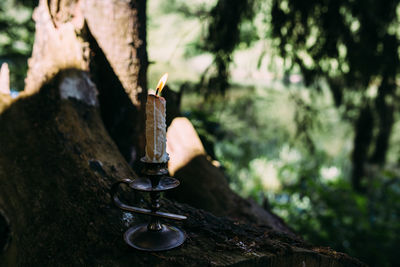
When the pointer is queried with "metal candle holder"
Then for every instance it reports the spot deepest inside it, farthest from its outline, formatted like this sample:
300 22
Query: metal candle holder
152 236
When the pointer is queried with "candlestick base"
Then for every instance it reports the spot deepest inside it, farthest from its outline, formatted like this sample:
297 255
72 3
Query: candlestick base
152 236
142 238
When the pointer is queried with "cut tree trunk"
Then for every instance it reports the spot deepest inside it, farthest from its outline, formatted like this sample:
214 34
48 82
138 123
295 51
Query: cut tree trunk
60 151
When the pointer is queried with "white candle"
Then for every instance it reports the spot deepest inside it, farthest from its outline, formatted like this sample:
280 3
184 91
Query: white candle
155 126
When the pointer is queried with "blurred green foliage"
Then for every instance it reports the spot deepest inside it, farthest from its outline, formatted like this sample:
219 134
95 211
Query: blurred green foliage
331 213
288 144
16 38
354 46
264 158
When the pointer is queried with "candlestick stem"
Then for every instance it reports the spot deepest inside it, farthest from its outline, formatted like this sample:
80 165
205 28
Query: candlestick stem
155 224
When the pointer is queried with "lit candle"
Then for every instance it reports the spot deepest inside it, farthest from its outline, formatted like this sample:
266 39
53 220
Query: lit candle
156 126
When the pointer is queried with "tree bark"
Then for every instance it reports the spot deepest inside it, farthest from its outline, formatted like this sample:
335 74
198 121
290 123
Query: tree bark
384 104
362 141
370 148
117 38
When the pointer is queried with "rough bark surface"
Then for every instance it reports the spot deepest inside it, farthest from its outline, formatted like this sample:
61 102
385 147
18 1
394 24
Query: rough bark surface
57 46
116 32
119 44
108 37
56 167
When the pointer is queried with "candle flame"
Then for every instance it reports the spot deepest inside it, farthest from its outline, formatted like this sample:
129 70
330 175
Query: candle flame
161 84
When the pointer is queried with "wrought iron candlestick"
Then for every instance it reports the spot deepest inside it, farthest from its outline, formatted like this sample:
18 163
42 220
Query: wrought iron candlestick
152 236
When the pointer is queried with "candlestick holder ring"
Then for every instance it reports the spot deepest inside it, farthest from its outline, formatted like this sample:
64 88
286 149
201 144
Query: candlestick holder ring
145 184
152 236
